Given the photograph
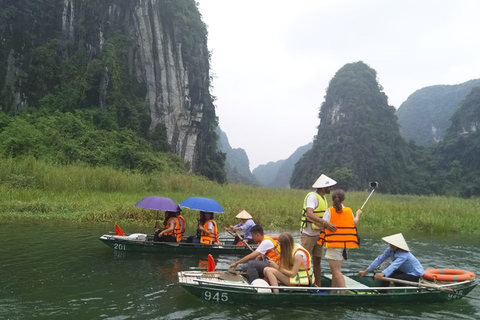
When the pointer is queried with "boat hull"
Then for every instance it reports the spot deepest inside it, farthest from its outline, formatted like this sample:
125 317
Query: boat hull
125 245
229 294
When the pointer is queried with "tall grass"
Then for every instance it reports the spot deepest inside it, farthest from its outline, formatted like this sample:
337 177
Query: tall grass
32 189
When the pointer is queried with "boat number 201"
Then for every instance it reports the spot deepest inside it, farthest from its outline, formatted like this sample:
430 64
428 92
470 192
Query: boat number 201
119 246
215 296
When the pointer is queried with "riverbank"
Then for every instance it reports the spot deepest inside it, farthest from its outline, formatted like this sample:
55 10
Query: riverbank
32 189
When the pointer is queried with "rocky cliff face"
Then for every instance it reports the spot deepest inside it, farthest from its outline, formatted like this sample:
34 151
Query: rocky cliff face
167 54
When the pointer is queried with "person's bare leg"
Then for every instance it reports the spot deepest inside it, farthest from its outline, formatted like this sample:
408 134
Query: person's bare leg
338 280
317 270
272 279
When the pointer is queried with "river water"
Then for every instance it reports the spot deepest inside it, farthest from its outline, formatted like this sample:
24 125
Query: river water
51 270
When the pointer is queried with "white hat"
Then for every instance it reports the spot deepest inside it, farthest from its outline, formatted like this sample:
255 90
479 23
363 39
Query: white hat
243 215
324 182
397 240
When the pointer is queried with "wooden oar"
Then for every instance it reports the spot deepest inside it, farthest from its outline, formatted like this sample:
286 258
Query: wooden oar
419 284
235 234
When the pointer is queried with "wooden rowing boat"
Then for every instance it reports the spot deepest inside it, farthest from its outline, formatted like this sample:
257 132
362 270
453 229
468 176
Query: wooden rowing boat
209 286
126 243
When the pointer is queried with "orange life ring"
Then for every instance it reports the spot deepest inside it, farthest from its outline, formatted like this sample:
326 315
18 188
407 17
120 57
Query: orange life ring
448 275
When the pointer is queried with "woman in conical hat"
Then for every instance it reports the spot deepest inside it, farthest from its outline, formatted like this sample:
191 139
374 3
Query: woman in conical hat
404 265
245 225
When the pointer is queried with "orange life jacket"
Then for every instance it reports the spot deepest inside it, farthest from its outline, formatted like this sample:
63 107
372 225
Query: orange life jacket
181 219
209 238
346 235
176 230
273 253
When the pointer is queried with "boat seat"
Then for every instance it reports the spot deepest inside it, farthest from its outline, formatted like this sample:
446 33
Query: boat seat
349 282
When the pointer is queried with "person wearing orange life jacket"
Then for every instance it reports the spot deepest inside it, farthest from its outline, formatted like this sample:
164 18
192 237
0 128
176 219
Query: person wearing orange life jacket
183 225
346 236
295 267
208 230
253 263
171 232
313 224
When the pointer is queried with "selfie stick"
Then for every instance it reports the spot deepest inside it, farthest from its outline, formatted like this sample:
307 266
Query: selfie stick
373 190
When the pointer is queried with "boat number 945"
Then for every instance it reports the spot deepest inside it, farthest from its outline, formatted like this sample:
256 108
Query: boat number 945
119 246
215 296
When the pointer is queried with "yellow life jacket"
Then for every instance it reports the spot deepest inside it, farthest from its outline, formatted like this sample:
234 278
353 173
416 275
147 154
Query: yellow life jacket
319 210
346 235
176 230
304 274
209 238
273 253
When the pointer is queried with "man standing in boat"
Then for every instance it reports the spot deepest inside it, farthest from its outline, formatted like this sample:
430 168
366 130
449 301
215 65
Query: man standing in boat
314 206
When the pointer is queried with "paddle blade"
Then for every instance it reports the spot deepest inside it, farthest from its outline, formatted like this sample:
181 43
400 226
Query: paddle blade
118 231
211 264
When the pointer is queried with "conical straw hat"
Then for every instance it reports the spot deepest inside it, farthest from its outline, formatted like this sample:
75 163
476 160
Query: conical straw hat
244 215
324 182
397 240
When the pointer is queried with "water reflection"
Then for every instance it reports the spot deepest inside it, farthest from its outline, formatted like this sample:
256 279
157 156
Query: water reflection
67 273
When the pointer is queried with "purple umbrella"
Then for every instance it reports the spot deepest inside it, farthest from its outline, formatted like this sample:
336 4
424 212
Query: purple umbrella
158 203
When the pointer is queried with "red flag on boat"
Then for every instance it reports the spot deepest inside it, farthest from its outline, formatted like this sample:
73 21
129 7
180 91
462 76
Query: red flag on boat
118 231
211 264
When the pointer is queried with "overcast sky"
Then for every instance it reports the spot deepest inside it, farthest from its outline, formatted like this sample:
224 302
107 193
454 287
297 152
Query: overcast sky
273 59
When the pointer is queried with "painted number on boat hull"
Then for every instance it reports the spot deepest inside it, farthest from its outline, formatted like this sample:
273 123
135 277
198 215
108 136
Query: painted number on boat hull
119 246
215 296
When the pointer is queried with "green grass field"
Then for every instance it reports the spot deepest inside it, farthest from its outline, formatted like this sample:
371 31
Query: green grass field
32 189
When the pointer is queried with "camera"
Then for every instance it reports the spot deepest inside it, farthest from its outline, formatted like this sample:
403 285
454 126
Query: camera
374 184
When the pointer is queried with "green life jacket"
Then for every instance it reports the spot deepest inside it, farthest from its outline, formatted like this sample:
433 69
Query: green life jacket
319 210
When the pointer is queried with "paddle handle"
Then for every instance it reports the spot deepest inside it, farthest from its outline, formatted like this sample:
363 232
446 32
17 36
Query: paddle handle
367 198
418 284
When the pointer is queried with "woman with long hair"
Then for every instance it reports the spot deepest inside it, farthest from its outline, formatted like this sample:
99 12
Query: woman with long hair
172 229
346 236
295 266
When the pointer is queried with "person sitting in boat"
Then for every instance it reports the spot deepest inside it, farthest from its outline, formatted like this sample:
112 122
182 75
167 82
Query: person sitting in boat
253 262
404 265
171 232
207 229
295 267
345 237
245 225
183 225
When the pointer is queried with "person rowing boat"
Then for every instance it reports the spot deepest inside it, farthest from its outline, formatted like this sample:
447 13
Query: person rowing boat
245 225
404 265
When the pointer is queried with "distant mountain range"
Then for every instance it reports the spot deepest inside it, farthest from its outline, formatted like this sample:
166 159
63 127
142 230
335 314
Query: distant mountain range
425 116
276 174
237 164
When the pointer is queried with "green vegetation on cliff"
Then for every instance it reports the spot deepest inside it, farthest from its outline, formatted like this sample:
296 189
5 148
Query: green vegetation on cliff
425 116
457 157
71 95
358 139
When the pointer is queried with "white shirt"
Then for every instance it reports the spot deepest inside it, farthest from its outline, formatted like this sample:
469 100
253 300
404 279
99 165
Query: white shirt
304 257
312 202
264 246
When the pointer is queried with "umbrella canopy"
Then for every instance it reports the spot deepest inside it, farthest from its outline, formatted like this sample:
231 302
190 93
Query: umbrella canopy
202 204
158 203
